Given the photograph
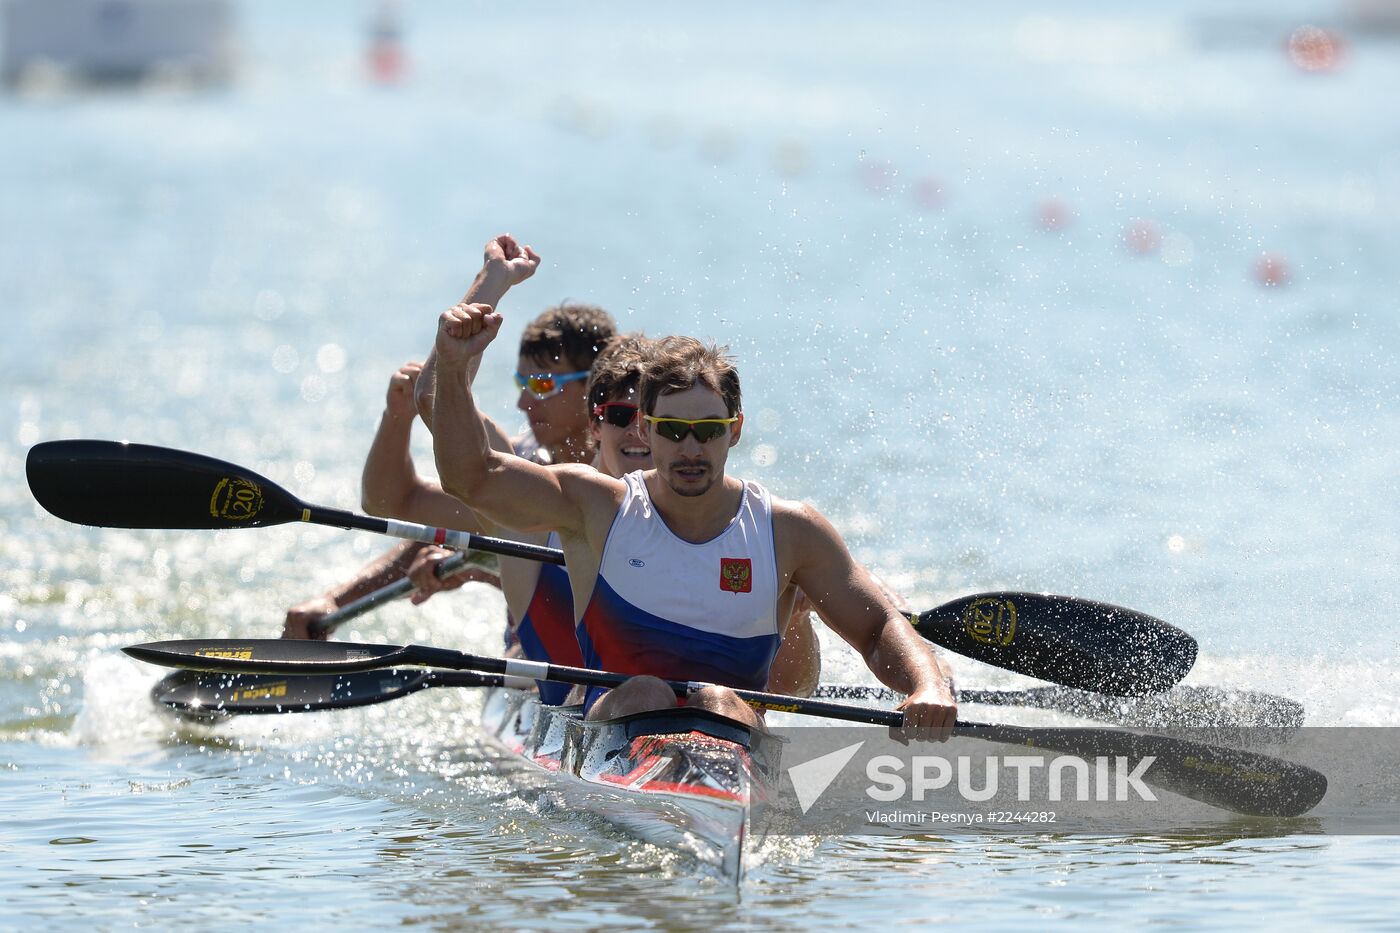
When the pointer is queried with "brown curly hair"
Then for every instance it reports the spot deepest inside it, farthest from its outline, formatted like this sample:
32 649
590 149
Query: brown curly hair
678 363
618 369
570 331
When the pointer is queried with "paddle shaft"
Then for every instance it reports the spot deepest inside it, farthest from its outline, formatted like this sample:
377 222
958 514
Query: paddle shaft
427 534
329 622
539 670
1183 706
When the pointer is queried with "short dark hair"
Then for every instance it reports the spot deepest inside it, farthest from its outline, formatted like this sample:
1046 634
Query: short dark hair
569 331
618 369
678 363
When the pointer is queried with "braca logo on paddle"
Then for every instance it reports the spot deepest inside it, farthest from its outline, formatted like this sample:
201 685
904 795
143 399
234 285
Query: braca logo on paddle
843 780
990 621
227 654
236 499
267 691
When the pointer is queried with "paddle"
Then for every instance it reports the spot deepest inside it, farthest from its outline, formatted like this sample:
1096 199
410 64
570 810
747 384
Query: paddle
1078 643
1183 706
1232 779
214 696
208 695
116 485
387 593
1071 641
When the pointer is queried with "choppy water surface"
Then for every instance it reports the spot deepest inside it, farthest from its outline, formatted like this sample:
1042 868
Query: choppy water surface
858 207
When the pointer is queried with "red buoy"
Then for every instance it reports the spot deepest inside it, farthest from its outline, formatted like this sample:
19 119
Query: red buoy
1271 271
1142 237
1315 50
928 193
1052 214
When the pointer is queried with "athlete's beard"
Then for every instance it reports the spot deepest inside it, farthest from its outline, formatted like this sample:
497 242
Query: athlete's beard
691 491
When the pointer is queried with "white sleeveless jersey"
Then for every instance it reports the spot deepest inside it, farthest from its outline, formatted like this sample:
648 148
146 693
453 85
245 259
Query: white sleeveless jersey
683 611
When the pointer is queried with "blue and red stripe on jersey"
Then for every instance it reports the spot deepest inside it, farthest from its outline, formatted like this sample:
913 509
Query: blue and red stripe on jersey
546 632
616 636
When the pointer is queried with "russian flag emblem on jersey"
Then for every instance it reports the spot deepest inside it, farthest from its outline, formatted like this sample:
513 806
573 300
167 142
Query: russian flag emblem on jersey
736 574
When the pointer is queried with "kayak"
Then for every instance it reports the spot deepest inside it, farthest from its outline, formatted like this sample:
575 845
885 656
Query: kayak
685 779
677 778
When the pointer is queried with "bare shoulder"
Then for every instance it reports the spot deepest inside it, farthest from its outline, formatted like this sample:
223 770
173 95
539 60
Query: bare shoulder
595 495
581 480
796 516
582 473
801 531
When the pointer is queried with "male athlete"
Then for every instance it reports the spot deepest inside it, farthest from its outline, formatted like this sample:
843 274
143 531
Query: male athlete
538 598
539 595
568 421
557 351
678 572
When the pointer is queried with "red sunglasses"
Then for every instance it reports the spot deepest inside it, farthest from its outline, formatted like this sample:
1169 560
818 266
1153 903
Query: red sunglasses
617 414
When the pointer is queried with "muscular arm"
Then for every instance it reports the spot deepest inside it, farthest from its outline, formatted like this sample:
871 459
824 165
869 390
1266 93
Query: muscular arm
391 485
505 264
853 606
383 570
797 669
502 487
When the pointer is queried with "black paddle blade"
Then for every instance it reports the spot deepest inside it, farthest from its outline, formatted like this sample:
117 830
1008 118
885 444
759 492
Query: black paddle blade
115 485
204 695
268 655
1075 642
1230 778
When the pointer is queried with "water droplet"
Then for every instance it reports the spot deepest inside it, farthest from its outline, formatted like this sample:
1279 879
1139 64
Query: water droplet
330 358
285 359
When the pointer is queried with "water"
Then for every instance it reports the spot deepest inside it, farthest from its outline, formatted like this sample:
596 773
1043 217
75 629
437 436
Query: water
976 402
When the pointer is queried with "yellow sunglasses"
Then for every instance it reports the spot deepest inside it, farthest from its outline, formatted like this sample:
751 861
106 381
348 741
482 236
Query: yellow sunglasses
704 429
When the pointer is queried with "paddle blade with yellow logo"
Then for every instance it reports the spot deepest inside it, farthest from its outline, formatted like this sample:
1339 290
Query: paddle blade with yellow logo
1067 640
117 485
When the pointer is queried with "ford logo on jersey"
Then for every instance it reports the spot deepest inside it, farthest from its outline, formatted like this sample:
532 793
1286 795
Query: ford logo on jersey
637 562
